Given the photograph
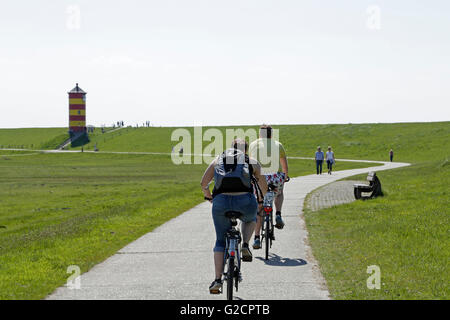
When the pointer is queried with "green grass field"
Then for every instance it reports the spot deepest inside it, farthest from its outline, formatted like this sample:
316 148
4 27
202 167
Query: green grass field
32 138
58 210
405 233
63 209
411 142
67 209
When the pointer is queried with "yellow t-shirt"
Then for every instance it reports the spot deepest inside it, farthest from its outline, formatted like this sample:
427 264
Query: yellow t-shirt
268 152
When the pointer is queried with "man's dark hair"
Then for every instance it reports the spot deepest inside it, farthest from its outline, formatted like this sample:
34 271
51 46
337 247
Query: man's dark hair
265 131
240 144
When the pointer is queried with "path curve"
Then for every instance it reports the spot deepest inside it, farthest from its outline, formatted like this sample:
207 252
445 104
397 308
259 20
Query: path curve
175 260
332 194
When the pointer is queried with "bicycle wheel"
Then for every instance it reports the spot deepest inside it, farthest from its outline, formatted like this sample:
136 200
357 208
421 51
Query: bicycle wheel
272 230
267 238
230 278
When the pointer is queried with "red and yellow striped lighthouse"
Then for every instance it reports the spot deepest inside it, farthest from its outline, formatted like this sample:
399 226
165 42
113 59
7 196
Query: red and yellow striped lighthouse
77 111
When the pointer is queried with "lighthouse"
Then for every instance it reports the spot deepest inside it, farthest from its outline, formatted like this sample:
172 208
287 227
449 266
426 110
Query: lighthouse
77 115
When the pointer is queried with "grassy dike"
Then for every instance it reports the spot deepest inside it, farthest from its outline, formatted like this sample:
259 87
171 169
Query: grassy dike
58 210
67 209
32 138
405 233
411 142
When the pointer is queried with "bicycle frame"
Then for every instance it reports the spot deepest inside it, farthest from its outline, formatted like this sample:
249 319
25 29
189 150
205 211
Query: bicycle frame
267 226
233 240
268 206
232 251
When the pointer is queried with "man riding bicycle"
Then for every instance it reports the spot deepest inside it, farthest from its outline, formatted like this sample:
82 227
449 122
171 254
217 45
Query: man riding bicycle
274 166
233 191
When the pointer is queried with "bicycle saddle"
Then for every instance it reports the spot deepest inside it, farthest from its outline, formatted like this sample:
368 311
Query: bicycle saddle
233 214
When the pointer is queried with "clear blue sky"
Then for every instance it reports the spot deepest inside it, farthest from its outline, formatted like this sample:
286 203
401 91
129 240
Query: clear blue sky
178 62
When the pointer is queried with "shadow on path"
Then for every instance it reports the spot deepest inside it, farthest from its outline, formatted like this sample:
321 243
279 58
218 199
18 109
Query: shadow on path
277 261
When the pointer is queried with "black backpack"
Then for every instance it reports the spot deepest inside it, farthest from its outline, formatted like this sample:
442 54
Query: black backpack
233 173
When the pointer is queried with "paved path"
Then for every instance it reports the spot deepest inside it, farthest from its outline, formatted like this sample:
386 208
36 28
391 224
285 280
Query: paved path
162 153
333 194
175 261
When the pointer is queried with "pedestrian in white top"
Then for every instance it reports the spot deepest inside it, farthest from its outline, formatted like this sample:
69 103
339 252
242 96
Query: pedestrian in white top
330 160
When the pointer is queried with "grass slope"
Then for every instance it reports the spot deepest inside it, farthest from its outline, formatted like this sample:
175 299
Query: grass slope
411 142
32 138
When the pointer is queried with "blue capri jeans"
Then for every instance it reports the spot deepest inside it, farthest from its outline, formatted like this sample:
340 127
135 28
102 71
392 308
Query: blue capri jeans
245 203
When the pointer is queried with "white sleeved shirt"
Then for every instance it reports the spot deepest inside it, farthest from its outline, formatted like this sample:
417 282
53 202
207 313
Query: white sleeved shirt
330 155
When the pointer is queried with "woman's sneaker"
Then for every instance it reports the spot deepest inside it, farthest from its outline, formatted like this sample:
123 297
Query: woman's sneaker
215 287
246 253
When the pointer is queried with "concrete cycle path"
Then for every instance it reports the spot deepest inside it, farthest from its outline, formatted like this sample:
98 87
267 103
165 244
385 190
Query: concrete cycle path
175 261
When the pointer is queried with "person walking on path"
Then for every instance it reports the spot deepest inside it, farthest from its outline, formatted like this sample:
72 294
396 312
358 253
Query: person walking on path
319 160
329 157
391 155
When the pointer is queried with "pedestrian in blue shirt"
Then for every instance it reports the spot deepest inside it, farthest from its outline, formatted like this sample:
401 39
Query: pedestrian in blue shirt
319 160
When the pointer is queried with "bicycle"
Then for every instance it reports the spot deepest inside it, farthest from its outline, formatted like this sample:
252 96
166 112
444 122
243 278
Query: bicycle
232 254
268 230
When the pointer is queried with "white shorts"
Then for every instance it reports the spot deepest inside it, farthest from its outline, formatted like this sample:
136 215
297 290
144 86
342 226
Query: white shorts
276 179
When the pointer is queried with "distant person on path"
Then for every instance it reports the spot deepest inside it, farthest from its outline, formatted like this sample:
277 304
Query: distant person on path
233 191
329 157
319 160
391 155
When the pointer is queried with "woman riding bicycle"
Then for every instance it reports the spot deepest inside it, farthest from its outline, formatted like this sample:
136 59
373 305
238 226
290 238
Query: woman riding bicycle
233 191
